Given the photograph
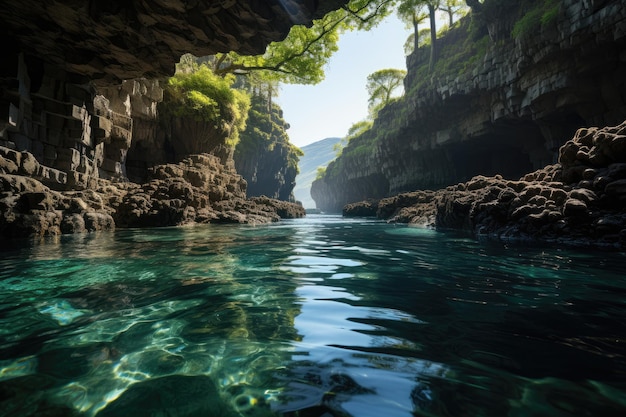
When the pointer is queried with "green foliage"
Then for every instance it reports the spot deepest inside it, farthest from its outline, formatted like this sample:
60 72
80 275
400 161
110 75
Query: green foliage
358 129
366 14
321 172
453 8
266 130
204 96
550 14
541 14
460 53
381 86
301 57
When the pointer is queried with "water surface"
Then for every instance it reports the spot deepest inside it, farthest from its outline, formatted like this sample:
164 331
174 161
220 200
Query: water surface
321 316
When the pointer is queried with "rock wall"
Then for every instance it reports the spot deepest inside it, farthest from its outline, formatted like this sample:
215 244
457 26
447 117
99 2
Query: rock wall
269 173
77 80
507 115
79 86
264 156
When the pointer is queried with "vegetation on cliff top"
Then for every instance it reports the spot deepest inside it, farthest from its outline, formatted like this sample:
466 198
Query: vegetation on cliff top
201 95
266 130
264 156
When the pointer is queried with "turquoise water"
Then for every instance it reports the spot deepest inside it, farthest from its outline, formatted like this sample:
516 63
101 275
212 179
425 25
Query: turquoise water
321 316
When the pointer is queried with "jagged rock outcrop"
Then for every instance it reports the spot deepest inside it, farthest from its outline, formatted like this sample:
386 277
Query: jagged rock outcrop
200 189
579 201
506 114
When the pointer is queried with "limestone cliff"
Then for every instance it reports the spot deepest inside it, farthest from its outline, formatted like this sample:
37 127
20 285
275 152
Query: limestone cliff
500 104
264 156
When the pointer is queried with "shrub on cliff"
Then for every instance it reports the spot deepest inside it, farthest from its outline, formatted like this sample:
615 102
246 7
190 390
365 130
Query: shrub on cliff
537 16
204 96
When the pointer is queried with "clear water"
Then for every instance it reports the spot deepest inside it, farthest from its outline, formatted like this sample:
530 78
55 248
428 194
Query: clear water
321 316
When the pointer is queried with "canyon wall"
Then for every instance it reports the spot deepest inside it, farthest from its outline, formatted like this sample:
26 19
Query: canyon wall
508 113
79 88
80 80
264 156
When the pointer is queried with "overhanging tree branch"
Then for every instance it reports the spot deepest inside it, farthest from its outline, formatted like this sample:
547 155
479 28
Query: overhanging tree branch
366 19
279 66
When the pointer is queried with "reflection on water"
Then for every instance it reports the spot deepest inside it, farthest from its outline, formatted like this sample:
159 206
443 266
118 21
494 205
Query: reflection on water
320 316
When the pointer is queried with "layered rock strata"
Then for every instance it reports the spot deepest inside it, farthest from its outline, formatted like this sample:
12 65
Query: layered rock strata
200 189
79 87
507 113
579 201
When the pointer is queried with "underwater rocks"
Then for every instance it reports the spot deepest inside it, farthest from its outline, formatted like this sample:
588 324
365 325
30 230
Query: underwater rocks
579 201
170 395
200 189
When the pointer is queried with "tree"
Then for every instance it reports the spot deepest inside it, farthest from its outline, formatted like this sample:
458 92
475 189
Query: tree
299 58
381 86
412 13
410 8
358 129
451 7
366 14
475 5
432 6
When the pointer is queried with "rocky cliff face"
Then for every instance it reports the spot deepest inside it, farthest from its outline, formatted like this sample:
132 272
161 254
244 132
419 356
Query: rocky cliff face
578 201
264 156
507 115
79 87
79 80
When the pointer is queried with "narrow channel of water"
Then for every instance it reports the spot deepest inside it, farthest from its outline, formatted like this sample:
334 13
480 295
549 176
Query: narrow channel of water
322 316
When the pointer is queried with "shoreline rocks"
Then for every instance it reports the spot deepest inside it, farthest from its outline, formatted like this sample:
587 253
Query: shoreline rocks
200 189
579 201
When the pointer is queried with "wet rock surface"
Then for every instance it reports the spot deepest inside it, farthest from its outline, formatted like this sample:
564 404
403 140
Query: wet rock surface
579 201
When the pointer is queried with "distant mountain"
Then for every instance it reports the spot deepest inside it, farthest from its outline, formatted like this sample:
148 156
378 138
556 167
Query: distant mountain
317 154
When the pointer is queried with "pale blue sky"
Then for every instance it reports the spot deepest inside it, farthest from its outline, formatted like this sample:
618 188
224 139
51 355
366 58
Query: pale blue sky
328 109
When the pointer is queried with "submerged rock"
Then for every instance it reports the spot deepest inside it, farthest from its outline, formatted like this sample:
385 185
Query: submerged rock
170 395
